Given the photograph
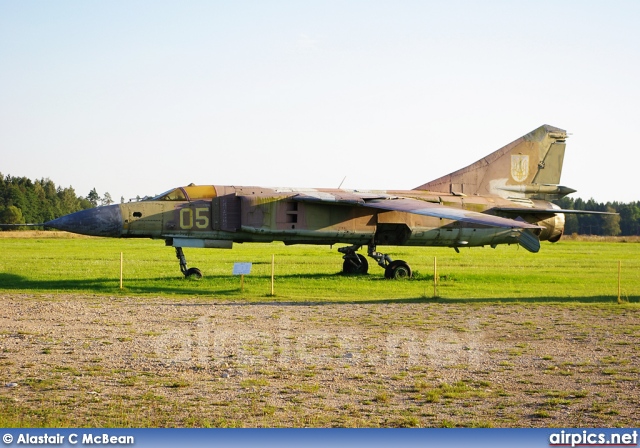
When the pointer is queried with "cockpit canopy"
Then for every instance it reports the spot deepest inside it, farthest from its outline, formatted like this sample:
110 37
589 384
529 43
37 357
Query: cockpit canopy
189 193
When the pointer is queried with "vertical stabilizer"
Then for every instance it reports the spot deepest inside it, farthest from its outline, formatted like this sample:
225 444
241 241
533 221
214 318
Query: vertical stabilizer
529 167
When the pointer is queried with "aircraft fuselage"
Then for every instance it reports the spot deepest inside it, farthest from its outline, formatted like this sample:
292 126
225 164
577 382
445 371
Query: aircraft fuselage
254 214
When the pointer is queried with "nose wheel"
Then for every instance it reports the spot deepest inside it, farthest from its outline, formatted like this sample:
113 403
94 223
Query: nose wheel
187 272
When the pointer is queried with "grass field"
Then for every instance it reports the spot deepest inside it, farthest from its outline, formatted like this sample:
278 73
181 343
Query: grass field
565 271
513 339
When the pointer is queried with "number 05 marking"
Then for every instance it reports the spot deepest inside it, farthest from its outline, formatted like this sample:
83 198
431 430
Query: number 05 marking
187 220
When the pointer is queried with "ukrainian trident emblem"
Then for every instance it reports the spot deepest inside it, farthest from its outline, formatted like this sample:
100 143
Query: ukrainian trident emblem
519 167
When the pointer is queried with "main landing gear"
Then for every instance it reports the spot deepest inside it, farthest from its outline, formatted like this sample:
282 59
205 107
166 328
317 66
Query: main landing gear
191 272
355 263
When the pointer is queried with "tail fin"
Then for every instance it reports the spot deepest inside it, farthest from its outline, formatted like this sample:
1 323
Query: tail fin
529 167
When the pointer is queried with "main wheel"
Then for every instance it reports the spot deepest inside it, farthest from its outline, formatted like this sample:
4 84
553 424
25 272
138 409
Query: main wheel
397 270
193 273
351 266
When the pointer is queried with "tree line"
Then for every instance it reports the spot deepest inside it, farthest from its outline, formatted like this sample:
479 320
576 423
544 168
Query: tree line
625 223
25 201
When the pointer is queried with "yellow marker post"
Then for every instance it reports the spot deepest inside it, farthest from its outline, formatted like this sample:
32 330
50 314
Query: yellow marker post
435 277
619 279
121 262
273 269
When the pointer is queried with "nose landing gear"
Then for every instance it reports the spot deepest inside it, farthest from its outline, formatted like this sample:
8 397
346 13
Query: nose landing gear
190 272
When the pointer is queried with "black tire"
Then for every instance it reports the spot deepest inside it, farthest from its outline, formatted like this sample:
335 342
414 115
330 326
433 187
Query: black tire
193 273
397 270
360 267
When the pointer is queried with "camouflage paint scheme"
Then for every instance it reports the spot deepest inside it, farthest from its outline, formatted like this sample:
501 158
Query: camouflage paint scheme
502 198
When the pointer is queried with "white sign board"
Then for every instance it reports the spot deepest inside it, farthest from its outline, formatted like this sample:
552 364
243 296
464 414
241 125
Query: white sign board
241 268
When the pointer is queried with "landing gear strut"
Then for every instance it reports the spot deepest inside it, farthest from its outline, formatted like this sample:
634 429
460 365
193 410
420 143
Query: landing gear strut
397 269
355 263
191 272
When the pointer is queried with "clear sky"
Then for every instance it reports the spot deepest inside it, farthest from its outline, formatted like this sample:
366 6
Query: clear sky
134 97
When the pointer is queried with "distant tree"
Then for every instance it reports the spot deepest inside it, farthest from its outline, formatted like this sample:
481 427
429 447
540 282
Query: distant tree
51 197
107 200
11 215
122 199
93 197
84 204
13 195
571 225
69 202
629 218
611 223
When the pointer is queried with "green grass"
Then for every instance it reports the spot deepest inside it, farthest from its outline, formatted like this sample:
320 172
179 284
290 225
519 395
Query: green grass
565 271
562 323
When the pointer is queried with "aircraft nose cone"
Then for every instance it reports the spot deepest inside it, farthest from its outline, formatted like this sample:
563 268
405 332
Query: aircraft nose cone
99 221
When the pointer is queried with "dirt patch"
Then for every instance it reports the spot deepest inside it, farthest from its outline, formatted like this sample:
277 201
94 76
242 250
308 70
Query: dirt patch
101 361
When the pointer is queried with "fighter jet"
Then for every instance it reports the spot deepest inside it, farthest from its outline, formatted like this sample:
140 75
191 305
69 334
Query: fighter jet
503 198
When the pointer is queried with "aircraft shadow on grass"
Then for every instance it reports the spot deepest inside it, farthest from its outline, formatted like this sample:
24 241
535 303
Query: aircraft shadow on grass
18 282
204 289
106 286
